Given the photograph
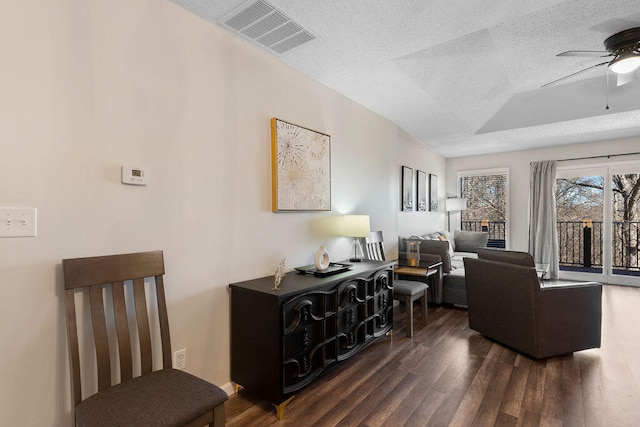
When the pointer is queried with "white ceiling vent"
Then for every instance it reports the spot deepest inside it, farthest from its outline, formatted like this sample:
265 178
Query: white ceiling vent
260 22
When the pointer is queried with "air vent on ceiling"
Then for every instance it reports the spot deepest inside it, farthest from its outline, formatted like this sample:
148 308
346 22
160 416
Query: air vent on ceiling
260 22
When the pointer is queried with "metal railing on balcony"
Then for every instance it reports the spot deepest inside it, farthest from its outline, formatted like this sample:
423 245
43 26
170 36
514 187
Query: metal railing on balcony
581 246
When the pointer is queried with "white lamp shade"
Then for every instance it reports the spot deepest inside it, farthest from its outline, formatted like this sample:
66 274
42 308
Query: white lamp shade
456 205
356 225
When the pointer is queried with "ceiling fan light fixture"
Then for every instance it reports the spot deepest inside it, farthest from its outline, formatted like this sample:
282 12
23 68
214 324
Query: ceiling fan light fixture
626 62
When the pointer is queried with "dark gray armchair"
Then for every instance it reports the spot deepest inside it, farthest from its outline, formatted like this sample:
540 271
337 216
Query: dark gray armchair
508 303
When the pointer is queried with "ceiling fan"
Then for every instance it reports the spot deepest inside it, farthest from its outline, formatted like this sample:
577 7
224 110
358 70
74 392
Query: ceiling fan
624 47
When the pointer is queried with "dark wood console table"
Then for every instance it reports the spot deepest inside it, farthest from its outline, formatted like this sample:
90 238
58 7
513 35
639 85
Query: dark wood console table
282 340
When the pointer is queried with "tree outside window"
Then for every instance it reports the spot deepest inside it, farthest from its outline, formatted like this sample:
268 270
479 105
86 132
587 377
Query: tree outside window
486 195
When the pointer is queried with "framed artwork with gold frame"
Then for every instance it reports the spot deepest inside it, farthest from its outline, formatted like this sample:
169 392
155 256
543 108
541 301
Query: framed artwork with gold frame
300 168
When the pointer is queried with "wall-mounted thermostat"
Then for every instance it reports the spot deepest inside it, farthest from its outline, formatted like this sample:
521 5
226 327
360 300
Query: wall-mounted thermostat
134 175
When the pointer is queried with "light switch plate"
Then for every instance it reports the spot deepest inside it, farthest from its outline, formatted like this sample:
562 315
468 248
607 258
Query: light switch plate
135 175
18 222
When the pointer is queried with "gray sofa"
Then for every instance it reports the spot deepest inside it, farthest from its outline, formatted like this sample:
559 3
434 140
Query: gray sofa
451 248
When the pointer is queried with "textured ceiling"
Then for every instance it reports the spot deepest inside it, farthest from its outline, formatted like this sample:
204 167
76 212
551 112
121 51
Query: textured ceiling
464 76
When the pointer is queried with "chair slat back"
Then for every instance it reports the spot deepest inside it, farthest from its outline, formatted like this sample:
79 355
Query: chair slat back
101 338
375 246
72 336
114 272
122 330
164 323
144 334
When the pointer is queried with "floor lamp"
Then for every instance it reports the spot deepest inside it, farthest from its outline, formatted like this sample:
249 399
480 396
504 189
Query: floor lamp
454 204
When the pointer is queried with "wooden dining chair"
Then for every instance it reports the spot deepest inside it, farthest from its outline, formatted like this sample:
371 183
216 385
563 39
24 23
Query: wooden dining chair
140 396
406 291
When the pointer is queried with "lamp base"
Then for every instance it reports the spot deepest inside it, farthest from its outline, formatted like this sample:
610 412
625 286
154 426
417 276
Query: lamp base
358 254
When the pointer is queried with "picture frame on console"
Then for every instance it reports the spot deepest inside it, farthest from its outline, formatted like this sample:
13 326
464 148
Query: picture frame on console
300 168
407 189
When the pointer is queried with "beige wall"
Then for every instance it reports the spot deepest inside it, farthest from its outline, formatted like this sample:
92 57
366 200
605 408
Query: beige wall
518 164
416 156
87 86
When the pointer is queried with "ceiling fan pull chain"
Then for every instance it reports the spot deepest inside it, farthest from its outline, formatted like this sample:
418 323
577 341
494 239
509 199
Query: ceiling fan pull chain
607 89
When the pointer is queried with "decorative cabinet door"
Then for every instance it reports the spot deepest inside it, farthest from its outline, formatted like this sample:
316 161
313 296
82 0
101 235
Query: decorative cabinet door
380 306
350 316
304 342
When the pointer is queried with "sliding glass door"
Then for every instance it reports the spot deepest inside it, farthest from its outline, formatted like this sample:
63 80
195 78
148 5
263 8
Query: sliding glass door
598 213
580 195
625 214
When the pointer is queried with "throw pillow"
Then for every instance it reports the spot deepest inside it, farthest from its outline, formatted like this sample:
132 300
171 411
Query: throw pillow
470 241
452 241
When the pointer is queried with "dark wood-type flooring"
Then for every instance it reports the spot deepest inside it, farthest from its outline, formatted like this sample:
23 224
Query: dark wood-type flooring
450 375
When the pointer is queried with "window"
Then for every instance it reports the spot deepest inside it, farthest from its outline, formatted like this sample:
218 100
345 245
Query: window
487 203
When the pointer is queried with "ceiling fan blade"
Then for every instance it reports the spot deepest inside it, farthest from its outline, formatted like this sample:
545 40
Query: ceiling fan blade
576 73
597 53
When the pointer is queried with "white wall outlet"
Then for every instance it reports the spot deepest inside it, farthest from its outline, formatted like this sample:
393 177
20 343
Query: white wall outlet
135 175
180 359
18 222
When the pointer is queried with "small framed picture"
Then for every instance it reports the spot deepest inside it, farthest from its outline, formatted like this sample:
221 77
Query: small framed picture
421 194
407 189
433 192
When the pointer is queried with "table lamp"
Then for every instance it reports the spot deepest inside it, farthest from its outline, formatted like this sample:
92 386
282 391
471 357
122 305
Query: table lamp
356 226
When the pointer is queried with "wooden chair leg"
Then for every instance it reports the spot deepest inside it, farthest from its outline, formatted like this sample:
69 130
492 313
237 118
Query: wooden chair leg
424 306
409 309
219 418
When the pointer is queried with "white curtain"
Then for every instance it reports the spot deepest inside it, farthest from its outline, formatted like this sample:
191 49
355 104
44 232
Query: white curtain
543 235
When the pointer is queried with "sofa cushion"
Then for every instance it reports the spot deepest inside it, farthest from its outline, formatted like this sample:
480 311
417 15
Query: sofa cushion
448 236
470 241
457 263
457 260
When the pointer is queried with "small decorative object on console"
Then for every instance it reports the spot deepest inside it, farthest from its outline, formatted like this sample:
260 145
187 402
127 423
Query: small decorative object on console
321 260
279 274
333 268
